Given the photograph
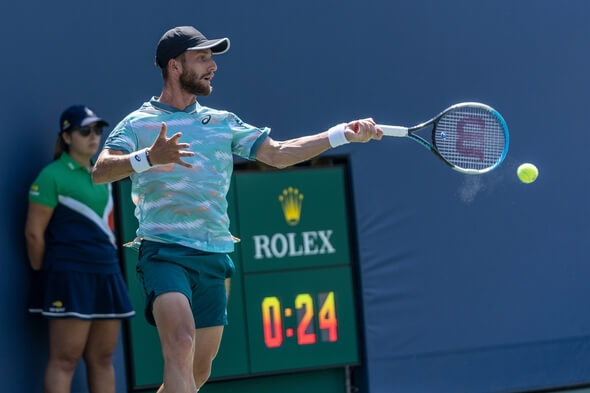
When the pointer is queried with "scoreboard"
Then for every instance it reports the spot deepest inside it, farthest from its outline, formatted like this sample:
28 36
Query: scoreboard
292 301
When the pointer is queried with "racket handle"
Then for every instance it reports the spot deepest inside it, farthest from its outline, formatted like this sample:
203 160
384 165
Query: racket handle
393 130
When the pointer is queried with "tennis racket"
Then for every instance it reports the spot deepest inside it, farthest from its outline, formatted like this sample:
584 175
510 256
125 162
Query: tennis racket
469 137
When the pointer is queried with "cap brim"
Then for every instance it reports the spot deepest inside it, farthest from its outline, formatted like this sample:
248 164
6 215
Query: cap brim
217 46
93 119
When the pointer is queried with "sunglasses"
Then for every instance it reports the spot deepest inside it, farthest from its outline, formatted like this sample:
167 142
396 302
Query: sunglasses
86 130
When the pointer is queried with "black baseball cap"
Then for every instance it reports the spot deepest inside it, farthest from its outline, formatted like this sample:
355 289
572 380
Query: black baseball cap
179 39
78 116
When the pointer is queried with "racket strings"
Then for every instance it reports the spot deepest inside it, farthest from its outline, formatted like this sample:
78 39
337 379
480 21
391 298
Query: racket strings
470 138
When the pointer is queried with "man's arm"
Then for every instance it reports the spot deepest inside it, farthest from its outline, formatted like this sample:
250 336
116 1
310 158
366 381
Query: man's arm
113 165
282 154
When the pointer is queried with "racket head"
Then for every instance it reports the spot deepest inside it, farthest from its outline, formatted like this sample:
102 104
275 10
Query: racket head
470 137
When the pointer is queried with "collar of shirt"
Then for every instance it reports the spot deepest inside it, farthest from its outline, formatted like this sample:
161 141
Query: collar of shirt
70 163
194 107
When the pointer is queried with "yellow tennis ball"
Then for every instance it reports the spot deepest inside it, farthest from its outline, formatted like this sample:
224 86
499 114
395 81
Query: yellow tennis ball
527 173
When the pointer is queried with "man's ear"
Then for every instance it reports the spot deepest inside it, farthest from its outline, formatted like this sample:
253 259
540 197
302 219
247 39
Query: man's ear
174 65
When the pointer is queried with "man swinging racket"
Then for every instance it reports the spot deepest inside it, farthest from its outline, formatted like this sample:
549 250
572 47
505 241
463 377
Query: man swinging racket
179 156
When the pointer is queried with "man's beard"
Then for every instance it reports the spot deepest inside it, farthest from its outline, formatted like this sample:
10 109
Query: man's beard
190 82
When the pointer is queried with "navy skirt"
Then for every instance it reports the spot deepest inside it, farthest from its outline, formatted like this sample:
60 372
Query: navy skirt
81 295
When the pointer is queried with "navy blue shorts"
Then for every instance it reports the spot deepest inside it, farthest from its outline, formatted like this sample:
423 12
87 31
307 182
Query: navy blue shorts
81 295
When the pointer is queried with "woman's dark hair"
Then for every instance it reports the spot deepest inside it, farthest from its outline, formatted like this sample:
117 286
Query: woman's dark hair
60 146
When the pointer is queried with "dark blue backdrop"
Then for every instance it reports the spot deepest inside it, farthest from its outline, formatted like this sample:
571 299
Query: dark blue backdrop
470 284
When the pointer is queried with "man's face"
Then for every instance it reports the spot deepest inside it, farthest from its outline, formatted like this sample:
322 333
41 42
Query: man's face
198 68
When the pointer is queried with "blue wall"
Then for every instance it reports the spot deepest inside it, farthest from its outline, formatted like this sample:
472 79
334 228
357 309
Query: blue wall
474 284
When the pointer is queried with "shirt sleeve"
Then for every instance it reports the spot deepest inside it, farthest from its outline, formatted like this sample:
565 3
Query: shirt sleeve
246 138
122 138
44 190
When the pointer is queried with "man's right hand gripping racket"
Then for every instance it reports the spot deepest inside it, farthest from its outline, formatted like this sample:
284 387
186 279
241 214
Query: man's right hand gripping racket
470 137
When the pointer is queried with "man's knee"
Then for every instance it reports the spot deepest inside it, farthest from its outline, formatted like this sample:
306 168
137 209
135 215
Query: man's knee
175 324
202 372
179 343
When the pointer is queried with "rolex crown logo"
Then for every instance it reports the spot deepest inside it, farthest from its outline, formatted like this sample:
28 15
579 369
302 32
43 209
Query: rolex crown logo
291 201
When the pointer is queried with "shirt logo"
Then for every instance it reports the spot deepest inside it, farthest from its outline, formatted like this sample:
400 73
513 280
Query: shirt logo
34 190
206 120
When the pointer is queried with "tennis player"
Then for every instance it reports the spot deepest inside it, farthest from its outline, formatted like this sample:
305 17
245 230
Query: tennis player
179 155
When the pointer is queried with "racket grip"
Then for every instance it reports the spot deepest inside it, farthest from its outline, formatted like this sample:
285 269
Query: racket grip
393 130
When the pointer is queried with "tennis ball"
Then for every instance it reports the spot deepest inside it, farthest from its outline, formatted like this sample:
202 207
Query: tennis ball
527 173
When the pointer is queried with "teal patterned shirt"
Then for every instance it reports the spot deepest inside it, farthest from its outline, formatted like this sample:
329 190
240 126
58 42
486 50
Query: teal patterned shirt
180 205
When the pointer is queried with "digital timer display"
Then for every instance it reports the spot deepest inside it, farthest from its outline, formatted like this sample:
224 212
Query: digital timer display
272 319
294 318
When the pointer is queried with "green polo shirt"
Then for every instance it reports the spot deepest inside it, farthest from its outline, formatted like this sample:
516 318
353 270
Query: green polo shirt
80 232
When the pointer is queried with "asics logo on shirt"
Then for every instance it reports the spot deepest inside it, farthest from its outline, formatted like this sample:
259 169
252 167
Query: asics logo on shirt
206 119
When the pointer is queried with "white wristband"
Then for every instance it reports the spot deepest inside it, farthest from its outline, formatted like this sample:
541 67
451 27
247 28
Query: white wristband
139 161
336 135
